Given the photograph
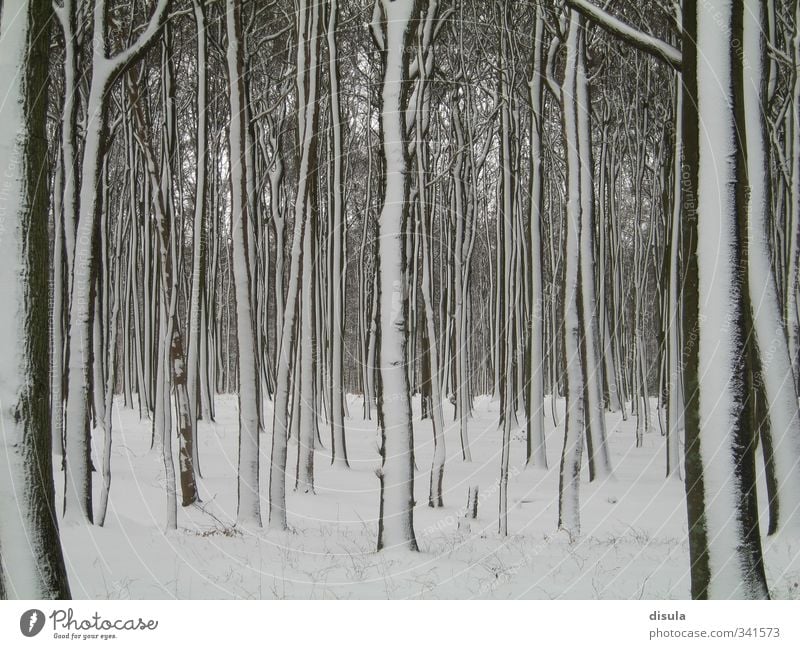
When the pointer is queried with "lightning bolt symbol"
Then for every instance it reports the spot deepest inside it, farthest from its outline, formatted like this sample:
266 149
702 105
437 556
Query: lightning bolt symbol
32 621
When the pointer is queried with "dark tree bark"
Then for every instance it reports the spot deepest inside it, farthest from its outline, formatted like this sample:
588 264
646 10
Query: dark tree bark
29 540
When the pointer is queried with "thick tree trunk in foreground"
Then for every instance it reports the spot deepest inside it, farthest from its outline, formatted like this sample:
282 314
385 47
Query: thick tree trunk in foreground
724 538
782 425
396 522
31 562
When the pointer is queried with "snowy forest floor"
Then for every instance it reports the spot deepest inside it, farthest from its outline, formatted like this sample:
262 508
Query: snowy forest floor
633 543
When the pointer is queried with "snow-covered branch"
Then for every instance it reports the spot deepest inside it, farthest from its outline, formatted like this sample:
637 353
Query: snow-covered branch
632 36
121 59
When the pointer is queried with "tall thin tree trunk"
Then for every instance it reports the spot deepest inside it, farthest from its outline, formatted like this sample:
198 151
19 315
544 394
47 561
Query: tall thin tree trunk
198 232
536 449
575 425
338 442
248 508
306 86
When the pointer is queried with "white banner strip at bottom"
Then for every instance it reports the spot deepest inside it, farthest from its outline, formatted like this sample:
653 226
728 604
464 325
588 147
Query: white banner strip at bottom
406 624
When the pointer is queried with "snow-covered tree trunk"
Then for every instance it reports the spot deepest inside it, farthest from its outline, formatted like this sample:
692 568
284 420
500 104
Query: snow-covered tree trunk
198 235
572 452
147 391
308 111
724 539
792 288
604 305
304 407
508 411
174 370
163 416
57 316
248 508
30 549
111 374
509 278
338 441
160 411
364 294
98 324
431 356
506 240
435 496
66 15
675 407
460 343
776 372
396 517
597 447
536 449
78 475
134 278
65 194
276 173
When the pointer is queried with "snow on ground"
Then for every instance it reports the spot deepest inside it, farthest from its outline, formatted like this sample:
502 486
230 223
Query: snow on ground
633 542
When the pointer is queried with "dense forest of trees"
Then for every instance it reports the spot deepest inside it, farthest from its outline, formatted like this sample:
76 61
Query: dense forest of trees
296 201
